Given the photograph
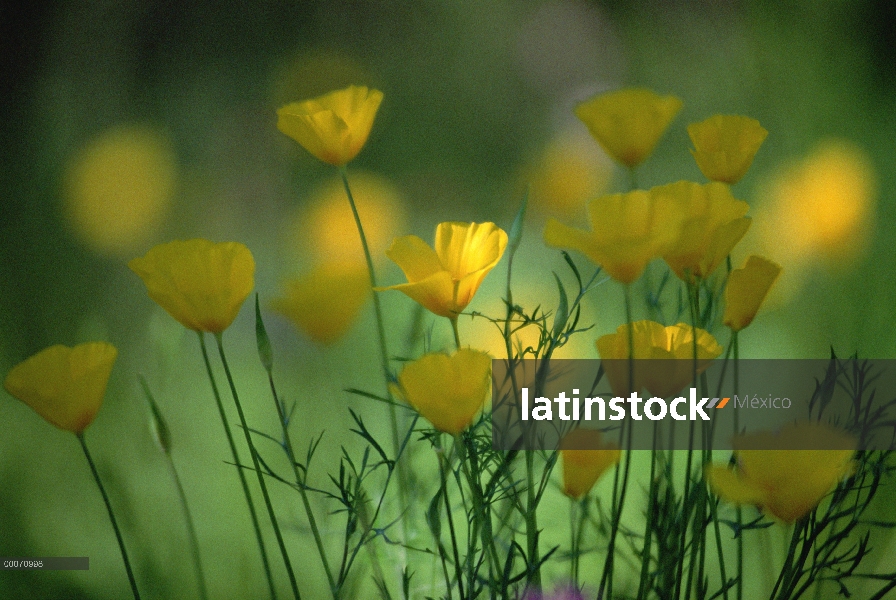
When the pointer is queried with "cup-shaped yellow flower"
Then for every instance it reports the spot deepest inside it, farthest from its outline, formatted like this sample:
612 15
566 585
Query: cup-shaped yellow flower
746 290
627 232
448 391
325 302
445 279
629 122
713 222
200 283
333 127
724 146
785 474
664 356
585 457
64 385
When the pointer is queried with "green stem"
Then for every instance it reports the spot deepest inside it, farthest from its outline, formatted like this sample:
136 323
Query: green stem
384 351
456 333
606 583
191 528
257 468
480 508
99 484
300 485
740 517
573 552
644 583
458 569
534 566
239 469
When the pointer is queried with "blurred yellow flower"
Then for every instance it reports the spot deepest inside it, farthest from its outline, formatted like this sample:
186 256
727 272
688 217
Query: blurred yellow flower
627 232
325 302
713 222
585 457
629 122
746 290
724 146
325 228
118 188
565 174
444 280
448 391
64 385
200 283
824 206
333 127
777 473
665 357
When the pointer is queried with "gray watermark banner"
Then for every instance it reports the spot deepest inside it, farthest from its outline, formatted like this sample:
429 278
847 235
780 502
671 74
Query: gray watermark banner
643 404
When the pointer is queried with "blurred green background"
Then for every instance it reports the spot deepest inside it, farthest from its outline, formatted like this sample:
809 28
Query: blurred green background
478 104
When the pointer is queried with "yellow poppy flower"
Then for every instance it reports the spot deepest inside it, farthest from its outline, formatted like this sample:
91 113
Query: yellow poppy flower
444 280
64 385
713 222
585 457
325 302
669 354
779 475
628 123
200 283
747 288
627 232
448 391
333 127
724 146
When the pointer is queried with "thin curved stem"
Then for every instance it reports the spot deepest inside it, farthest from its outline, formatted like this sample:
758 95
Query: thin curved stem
257 467
384 351
99 484
191 529
239 469
300 485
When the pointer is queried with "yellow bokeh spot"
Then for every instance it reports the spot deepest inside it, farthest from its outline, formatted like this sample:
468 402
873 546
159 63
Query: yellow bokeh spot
823 207
119 187
325 228
566 174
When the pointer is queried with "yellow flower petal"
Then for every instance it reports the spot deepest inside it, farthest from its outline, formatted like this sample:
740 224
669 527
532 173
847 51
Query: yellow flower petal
664 357
627 232
777 473
724 146
200 283
585 457
746 290
415 257
448 391
466 248
628 123
445 280
712 223
64 385
333 127
727 484
435 293
325 302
